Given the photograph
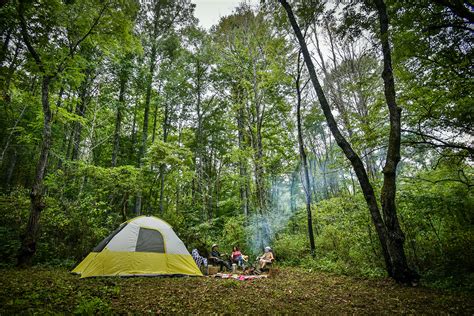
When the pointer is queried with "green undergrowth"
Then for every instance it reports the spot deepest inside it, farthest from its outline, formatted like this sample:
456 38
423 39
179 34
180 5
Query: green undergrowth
292 291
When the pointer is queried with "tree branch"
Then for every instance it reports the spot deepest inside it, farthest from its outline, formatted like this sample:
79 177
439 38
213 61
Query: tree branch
26 37
443 144
73 48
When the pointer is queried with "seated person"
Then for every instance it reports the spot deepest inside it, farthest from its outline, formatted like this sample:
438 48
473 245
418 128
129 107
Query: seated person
215 258
200 260
266 258
237 256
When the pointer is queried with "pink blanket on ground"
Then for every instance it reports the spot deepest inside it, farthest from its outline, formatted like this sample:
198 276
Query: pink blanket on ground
240 277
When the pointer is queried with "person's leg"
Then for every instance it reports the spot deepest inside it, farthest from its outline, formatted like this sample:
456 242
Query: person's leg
224 265
265 262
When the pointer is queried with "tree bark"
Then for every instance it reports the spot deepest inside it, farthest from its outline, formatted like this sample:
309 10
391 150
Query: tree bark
396 237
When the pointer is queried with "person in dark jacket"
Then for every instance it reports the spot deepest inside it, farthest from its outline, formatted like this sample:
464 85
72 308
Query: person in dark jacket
216 258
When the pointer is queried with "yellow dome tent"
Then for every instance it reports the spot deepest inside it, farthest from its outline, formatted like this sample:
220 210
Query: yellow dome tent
142 246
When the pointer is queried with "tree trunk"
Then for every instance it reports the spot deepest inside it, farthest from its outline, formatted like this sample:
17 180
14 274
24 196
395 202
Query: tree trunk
151 72
134 130
146 114
81 112
242 165
141 153
162 166
199 139
28 243
7 37
304 161
396 237
118 117
11 168
294 178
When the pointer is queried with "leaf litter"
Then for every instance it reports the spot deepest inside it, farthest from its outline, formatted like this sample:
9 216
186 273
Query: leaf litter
292 291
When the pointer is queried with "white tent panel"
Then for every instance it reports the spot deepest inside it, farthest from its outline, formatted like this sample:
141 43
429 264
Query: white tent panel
126 239
173 245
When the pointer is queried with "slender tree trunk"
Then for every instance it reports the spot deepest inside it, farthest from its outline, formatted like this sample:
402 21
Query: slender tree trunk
11 168
7 144
260 174
134 130
28 243
81 112
294 182
304 161
4 50
118 117
337 93
9 76
260 187
396 237
141 153
151 73
162 166
69 143
60 159
242 164
199 139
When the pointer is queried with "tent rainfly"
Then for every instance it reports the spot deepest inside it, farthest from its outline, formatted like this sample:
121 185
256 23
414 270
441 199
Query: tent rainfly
142 246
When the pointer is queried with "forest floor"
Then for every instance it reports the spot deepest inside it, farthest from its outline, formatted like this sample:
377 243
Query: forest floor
291 291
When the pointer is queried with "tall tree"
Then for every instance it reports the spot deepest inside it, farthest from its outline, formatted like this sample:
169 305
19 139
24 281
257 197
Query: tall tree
158 18
387 228
52 54
303 157
250 48
123 75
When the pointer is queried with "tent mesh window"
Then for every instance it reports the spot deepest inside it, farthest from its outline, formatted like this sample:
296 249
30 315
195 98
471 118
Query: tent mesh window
150 240
106 240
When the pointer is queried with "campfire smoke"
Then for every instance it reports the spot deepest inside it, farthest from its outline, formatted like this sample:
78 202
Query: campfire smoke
262 227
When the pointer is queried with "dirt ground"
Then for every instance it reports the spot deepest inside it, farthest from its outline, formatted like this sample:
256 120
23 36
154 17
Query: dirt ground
291 291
